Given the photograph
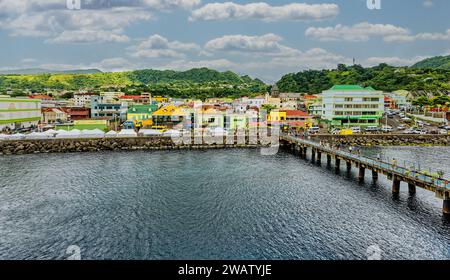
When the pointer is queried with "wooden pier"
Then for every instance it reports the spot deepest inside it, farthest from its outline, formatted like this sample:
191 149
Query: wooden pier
397 174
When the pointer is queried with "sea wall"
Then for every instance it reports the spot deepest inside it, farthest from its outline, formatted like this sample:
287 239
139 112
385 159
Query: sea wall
387 139
111 144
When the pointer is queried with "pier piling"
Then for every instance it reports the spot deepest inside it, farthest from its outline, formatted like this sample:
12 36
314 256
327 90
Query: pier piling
446 207
395 185
374 175
361 173
411 188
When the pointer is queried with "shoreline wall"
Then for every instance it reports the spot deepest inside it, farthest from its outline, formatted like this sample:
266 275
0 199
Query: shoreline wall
10 147
15 147
387 139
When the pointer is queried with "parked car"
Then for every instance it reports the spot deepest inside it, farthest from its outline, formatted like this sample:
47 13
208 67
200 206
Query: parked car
406 119
443 131
314 129
335 131
409 131
386 128
401 127
356 129
371 129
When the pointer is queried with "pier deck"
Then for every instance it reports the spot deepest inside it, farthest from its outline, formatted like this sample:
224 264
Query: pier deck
398 174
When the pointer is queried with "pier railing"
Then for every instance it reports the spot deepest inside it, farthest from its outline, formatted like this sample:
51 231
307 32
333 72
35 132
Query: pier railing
414 175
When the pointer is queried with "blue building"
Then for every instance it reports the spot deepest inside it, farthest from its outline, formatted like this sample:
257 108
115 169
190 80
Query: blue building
102 108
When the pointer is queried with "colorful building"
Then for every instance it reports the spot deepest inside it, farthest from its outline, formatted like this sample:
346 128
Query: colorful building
102 107
141 115
18 113
352 105
169 116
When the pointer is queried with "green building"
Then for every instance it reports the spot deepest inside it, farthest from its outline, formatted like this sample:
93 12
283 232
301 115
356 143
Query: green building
352 105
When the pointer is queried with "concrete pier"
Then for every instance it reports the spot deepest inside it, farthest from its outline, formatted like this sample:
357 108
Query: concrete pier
361 173
349 166
411 188
374 175
395 185
446 207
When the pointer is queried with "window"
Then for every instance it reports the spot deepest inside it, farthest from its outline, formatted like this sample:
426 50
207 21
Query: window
348 99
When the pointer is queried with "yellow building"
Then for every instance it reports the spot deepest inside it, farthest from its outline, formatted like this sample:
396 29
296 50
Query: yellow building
160 99
276 116
169 116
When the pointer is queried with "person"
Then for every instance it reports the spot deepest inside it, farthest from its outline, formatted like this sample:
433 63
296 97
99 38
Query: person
394 162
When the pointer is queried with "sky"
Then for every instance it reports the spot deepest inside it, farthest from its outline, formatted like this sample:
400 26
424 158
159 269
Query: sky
264 39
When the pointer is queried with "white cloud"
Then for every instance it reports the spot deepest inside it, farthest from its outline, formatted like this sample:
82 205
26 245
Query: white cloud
362 32
89 36
217 64
171 4
52 19
359 32
419 37
428 3
264 11
156 46
268 44
393 61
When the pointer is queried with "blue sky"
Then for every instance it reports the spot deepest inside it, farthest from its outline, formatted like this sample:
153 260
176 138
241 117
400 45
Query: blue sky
264 39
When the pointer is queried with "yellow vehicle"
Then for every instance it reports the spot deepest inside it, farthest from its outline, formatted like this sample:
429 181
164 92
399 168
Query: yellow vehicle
346 132
161 128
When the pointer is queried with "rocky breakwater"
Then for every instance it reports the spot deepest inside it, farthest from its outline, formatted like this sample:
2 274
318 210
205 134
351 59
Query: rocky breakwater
15 147
387 140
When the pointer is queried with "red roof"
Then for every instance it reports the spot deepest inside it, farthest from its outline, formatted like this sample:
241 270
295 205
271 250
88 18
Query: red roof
40 97
297 113
132 97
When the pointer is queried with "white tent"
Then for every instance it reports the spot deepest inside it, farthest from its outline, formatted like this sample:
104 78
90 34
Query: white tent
17 136
95 133
51 132
75 133
127 133
150 132
173 133
38 135
111 133
218 131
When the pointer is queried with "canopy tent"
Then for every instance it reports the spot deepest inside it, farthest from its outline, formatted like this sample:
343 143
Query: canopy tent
111 133
94 133
150 132
218 131
75 133
127 133
38 135
17 136
173 133
51 132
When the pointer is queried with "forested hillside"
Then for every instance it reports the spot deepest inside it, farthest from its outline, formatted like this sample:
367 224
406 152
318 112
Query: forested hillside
381 77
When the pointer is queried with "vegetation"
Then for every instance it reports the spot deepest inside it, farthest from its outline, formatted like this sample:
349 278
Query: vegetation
381 77
438 62
195 83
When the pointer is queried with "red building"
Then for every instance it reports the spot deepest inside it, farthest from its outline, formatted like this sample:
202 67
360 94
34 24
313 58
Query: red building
78 113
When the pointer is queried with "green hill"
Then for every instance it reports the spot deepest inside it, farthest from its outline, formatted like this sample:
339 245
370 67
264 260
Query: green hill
381 77
437 62
198 83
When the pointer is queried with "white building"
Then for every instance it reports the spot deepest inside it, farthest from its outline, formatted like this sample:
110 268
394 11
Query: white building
348 106
82 99
18 113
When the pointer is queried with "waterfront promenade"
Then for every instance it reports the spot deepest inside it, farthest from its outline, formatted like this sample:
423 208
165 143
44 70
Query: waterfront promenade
413 177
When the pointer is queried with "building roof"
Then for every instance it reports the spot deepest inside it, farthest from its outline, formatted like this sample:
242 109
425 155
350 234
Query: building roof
297 113
351 87
40 97
170 110
142 109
